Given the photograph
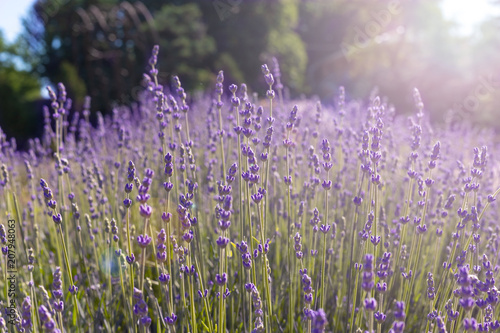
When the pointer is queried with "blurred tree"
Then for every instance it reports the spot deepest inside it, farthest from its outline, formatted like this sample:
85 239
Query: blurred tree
323 25
415 50
286 44
185 47
483 96
100 41
18 91
249 33
321 44
393 45
107 43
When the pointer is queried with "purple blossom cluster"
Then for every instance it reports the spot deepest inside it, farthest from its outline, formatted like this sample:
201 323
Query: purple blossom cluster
402 234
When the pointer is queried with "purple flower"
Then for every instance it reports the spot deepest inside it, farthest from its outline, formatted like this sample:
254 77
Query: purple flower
162 236
481 303
127 203
26 313
221 279
375 179
470 325
319 321
57 283
249 287
467 303
171 319
327 185
224 225
257 197
50 325
57 293
243 247
375 240
47 193
166 217
58 305
73 289
269 79
421 229
140 308
397 327
306 283
57 218
367 276
379 316
130 259
168 186
43 313
370 304
188 236
143 198
222 242
43 183
129 187
148 173
325 228
430 286
399 312
143 240
161 256
51 204
164 278
145 210
381 287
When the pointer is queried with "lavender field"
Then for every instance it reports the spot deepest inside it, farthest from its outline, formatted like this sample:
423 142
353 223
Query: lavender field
245 213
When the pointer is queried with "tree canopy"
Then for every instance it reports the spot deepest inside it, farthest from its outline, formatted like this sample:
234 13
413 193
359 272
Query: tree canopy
19 89
100 48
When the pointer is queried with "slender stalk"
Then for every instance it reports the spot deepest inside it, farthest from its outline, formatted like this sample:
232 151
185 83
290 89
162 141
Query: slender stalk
264 264
143 258
351 263
194 327
381 306
206 307
110 261
288 252
222 252
68 269
370 322
323 262
355 294
131 266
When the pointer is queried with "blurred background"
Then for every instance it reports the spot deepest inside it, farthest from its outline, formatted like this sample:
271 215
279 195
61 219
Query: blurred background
448 49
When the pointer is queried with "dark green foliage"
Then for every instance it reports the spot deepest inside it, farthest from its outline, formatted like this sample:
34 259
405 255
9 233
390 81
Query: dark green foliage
107 43
185 48
18 90
100 48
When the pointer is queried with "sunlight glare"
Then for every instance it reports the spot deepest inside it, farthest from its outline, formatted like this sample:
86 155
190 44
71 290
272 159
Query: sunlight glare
468 14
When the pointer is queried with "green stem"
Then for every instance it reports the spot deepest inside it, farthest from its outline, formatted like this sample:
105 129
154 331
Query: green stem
323 262
70 275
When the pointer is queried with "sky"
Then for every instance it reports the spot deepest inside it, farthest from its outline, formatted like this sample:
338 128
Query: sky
467 13
11 13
